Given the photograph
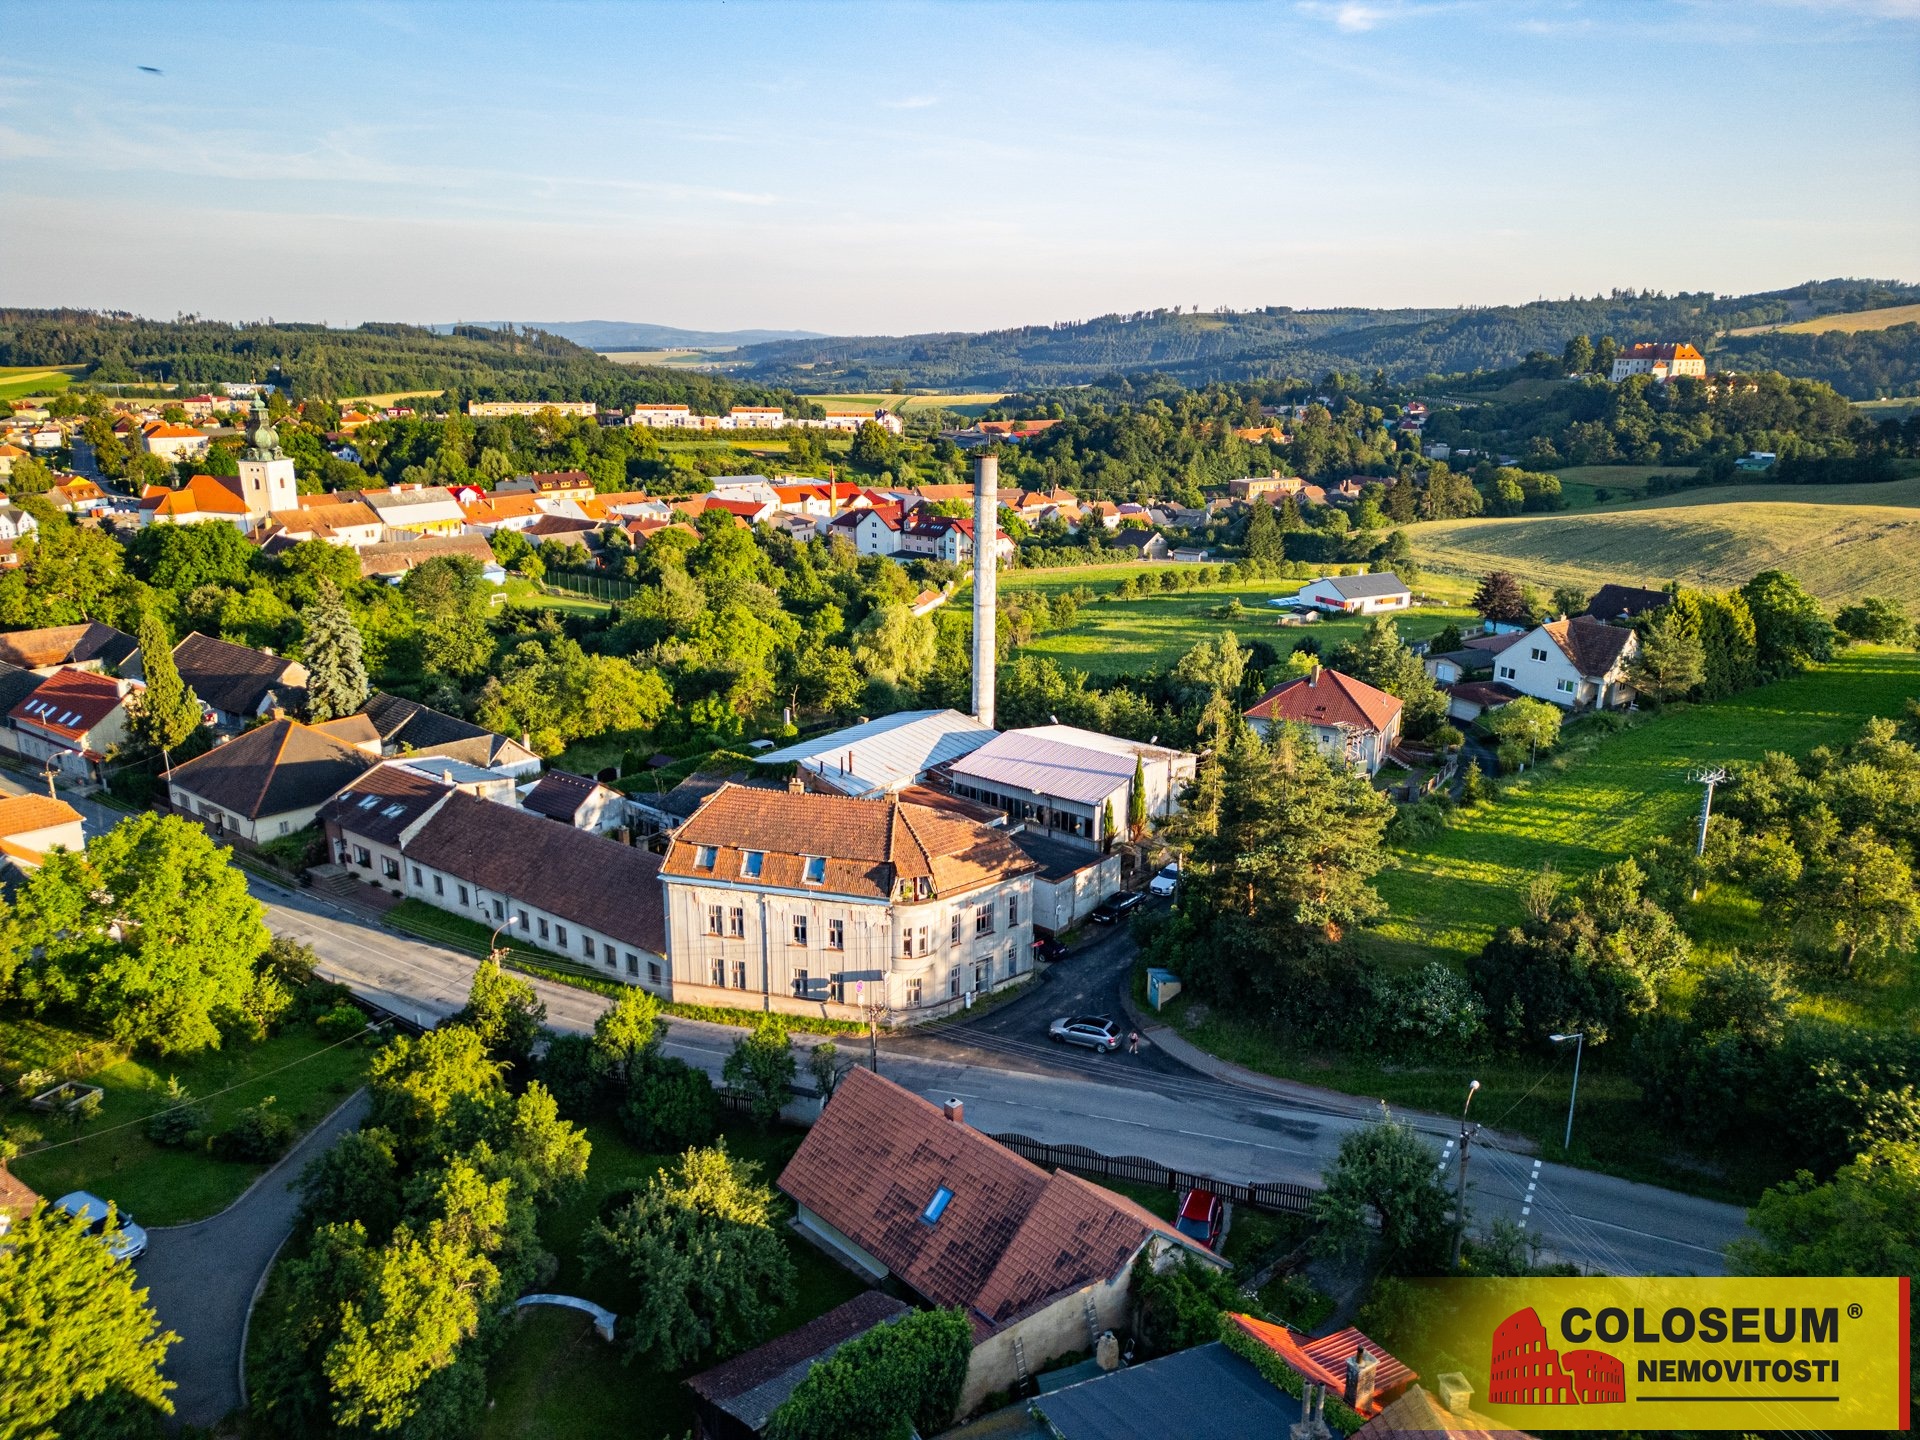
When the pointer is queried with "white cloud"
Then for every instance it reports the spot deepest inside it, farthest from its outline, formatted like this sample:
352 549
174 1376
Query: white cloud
911 102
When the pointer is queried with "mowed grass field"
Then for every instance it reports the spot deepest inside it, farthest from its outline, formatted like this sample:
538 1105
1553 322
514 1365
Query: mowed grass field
1851 322
675 359
1841 541
1448 894
970 403
17 381
1623 483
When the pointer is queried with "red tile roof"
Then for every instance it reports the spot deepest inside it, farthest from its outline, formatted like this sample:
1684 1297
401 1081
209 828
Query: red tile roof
1324 1361
1326 697
69 703
1594 647
1010 1238
24 814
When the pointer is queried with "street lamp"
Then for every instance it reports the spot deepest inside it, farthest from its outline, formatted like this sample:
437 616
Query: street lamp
494 950
1460 1191
1579 1038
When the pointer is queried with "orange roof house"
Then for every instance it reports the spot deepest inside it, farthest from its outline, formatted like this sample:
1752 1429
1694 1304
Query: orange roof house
1348 718
203 498
1323 1361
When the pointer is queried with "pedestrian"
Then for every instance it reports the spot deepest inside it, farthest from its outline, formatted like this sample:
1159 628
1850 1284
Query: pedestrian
1133 1042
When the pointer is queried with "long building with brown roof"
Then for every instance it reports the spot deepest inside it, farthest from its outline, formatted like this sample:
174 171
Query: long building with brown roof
819 904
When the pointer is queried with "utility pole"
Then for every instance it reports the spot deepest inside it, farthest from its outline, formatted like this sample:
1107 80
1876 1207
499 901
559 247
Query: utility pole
877 1012
1460 1191
1709 777
1579 1037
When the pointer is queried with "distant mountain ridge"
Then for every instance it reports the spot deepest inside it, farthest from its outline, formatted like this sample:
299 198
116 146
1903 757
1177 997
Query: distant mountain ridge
636 335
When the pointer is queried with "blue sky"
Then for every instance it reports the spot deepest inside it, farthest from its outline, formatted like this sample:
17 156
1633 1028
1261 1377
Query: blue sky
885 168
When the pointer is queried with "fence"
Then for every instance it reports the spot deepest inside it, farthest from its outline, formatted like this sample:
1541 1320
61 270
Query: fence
1281 1198
590 583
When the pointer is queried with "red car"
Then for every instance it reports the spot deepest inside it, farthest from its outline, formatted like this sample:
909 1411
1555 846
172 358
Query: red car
1201 1215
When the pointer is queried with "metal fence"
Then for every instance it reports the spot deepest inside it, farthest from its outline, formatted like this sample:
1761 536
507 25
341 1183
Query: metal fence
1281 1198
591 583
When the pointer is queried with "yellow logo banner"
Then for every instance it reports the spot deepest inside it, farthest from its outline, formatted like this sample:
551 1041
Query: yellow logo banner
1619 1353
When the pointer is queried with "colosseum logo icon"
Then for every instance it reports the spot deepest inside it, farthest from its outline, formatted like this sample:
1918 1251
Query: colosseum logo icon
1527 1371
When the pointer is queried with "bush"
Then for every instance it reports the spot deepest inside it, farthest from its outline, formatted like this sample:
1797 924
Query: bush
341 1021
671 1106
573 1076
258 1134
181 1122
1433 1009
1180 1307
1447 737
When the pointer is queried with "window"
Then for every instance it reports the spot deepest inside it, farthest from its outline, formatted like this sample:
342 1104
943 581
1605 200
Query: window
285 825
389 867
737 922
719 974
417 877
1013 910
751 863
913 991
559 934
983 920
906 942
955 937
739 974
704 857
1534 652
713 919
1566 687
836 934
543 927
499 908
816 870
586 948
953 983
799 929
937 1206
802 984
924 938
439 885
463 895
361 857
523 922
1507 672
653 970
633 961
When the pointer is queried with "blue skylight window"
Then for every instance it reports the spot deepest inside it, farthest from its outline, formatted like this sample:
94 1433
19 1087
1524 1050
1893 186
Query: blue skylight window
704 857
937 1206
751 862
816 869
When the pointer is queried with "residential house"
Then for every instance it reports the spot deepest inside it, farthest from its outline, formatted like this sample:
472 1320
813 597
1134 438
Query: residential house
575 800
238 684
884 756
552 485
736 1399
1662 361
755 417
657 815
16 524
949 538
1074 784
366 823
31 825
1356 594
873 529
1143 544
269 782
408 728
1579 663
559 889
1349 719
203 499
1015 430
487 513
417 509
351 523
928 601
496 409
817 904
1345 1362
1468 700
1273 485
73 721
392 560
1206 1391
852 420
1071 881
1032 505
749 509
1041 1265
172 442
1620 603
564 530
89 646
8 454
663 417
77 496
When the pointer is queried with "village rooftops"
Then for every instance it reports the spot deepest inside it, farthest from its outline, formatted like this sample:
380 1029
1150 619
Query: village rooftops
1592 645
26 814
885 754
69 703
558 795
1624 602
962 1220
400 556
279 767
407 725
382 803
868 849
67 645
1327 698
1366 587
1323 1360
230 677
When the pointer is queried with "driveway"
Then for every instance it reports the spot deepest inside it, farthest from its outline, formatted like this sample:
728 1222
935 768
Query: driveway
201 1277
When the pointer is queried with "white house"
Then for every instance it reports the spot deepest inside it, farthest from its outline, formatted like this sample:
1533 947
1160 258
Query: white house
15 523
1349 719
1070 782
172 442
1579 663
873 529
1357 594
1662 362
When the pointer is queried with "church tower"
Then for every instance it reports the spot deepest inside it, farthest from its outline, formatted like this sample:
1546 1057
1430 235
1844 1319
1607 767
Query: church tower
266 474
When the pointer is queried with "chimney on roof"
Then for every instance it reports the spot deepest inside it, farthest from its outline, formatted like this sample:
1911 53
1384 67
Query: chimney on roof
276 713
795 785
955 1112
1360 1371
986 521
1456 1395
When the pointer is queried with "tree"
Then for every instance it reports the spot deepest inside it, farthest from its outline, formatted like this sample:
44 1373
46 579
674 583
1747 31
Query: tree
336 672
1605 351
669 1106
167 712
894 644
505 1012
1381 659
824 1065
1671 661
900 1378
149 931
181 558
1264 543
628 1033
1570 600
1137 799
761 1068
62 1296
1180 1307
1876 621
706 1260
1578 355
451 601
1386 1174
1858 895
1527 725
1500 597
1790 630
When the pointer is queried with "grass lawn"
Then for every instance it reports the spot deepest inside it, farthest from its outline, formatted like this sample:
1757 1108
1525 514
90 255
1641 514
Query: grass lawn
1448 895
18 381
306 1073
559 1379
1621 482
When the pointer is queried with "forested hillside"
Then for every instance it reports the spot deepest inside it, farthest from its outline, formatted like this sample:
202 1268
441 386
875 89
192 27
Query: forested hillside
313 361
1278 343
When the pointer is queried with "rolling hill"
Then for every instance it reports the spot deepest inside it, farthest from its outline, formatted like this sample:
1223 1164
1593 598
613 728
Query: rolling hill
635 334
1841 541
1850 323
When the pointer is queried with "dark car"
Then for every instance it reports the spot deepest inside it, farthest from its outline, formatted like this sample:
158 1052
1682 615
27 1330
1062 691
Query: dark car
1050 949
1201 1215
1097 1032
1112 909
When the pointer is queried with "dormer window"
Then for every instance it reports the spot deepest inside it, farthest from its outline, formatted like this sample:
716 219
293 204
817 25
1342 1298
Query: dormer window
704 857
937 1206
751 862
816 870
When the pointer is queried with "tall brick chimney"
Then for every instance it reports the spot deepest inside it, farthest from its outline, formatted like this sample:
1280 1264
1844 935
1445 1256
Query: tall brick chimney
1360 1369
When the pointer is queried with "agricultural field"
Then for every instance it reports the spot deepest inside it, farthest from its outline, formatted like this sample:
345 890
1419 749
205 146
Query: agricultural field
1841 541
392 397
1851 322
1449 894
970 404
1898 408
17 381
1623 483
674 359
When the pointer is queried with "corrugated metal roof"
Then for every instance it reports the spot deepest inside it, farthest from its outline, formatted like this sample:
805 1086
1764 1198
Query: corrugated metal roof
1204 1391
1059 761
1366 587
888 753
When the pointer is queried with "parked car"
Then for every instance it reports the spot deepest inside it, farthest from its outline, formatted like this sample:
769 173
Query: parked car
1096 1032
1201 1215
1166 881
125 1241
1110 910
1049 949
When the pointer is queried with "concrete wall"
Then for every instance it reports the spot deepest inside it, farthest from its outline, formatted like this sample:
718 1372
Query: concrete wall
1059 905
1059 1329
